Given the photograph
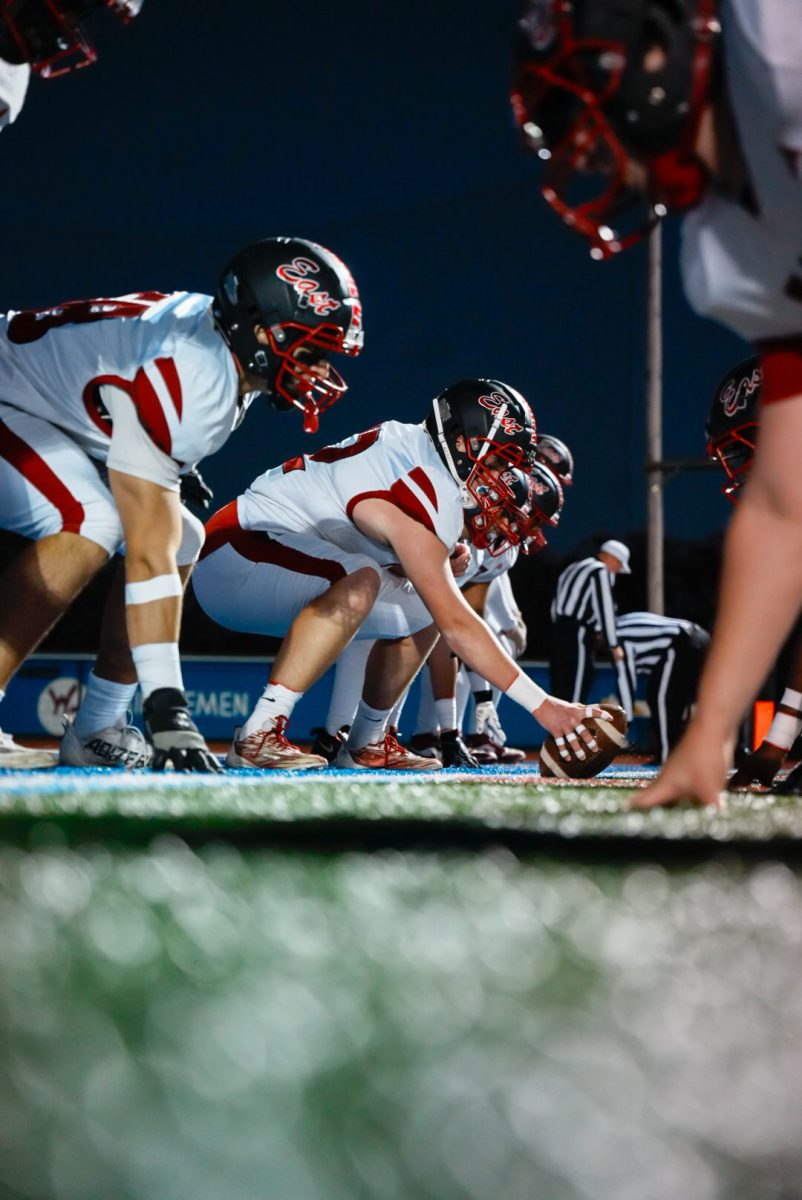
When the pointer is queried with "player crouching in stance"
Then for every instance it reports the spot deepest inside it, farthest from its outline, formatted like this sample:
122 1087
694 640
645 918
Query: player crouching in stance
354 541
105 403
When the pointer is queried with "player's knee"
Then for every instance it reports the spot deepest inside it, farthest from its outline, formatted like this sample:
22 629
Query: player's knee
193 536
354 595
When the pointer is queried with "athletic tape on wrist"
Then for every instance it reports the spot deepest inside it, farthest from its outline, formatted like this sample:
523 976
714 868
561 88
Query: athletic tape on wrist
157 666
525 691
160 587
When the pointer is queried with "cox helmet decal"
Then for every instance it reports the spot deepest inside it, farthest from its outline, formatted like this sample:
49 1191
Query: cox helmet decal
310 295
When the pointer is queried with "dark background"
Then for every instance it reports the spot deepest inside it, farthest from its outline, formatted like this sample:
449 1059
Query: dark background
383 131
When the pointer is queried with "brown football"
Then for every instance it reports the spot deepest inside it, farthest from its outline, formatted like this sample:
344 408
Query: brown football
611 738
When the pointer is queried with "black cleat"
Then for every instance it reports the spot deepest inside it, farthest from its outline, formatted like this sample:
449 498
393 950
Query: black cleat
454 751
328 744
791 785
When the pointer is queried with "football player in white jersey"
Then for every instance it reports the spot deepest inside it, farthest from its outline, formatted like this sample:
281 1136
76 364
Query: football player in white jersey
48 37
103 405
696 104
354 541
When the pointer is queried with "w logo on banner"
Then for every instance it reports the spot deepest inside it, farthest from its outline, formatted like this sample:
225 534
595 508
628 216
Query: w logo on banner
496 401
60 698
310 295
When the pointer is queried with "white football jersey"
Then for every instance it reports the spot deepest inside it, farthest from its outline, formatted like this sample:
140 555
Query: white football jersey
161 350
743 267
13 88
394 461
485 567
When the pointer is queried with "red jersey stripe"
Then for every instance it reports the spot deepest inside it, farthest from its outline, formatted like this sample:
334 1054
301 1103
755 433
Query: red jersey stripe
169 373
419 477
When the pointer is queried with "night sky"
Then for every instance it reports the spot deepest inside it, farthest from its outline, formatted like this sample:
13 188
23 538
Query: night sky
385 132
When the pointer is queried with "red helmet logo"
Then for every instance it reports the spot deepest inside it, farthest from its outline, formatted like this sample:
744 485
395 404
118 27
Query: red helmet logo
310 295
496 401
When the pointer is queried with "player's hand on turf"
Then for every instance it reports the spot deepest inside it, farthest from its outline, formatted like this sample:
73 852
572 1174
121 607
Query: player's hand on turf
695 772
176 740
195 490
760 767
564 720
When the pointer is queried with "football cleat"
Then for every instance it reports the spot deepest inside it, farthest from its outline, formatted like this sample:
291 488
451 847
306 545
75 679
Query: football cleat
119 745
23 758
269 750
482 749
328 744
386 755
427 744
455 752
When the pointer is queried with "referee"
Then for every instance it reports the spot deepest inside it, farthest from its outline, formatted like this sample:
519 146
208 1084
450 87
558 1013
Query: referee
670 652
583 608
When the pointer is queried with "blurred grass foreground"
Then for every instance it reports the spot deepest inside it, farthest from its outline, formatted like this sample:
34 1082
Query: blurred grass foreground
255 1024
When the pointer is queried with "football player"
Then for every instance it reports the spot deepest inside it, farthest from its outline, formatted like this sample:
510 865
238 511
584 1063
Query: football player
48 37
105 403
354 541
696 105
731 435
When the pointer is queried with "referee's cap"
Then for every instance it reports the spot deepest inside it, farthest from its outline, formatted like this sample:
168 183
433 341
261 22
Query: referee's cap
620 551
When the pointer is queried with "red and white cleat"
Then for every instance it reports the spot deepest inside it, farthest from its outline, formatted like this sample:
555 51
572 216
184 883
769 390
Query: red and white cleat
269 750
387 755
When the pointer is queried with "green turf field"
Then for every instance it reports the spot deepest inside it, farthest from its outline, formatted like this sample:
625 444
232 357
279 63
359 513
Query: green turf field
233 1020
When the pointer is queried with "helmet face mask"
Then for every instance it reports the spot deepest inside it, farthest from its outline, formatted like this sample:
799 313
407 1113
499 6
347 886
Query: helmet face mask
49 34
610 96
283 305
732 424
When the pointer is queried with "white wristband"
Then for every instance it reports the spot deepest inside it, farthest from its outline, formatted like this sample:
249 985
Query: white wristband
157 666
525 691
160 587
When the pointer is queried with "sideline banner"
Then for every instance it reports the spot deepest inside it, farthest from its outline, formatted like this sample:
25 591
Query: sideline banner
221 692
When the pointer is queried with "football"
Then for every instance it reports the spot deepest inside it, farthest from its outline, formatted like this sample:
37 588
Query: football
611 738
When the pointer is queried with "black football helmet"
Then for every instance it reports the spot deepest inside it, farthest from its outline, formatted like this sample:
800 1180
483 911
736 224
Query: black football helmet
477 420
601 82
732 424
50 35
554 454
306 301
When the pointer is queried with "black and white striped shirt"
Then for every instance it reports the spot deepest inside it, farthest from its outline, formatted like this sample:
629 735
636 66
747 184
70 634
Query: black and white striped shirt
646 638
585 593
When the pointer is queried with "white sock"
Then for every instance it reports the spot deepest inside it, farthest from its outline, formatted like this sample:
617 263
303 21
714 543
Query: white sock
104 703
349 680
275 701
427 715
370 725
446 712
